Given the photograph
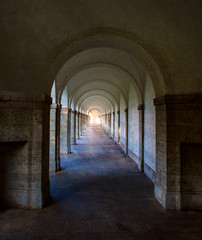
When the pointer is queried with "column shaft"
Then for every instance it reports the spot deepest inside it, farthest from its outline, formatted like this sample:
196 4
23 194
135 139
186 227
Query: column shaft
75 115
141 138
119 129
126 136
113 125
79 115
57 138
69 131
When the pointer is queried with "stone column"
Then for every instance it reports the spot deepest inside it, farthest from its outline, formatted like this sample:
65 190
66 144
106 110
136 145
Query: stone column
113 125
81 128
57 138
69 131
52 162
79 116
178 183
110 123
63 130
75 115
106 122
72 127
83 121
126 136
24 147
119 130
141 138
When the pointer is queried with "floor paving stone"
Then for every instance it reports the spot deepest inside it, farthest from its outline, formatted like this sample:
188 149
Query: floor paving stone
100 195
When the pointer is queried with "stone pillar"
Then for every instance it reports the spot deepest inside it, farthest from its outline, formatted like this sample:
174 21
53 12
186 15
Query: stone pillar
81 124
79 116
178 183
100 121
113 125
126 133
57 138
84 122
69 131
106 122
72 127
24 147
119 129
109 123
141 138
75 115
63 130
52 137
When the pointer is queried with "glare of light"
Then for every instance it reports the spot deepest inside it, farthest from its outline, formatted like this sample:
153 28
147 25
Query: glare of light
97 120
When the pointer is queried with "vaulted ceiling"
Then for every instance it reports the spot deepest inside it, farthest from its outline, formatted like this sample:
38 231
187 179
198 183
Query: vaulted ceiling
98 50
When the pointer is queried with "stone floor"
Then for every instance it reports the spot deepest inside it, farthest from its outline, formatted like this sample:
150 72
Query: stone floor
100 194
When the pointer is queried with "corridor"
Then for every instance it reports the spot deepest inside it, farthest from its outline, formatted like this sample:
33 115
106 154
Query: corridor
99 194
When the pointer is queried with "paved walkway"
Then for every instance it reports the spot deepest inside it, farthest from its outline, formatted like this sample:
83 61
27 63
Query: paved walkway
100 194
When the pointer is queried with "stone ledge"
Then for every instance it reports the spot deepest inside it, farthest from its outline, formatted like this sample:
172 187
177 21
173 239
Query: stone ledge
178 99
20 97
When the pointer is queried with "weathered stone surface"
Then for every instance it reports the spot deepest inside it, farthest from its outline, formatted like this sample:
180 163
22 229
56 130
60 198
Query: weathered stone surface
183 126
24 150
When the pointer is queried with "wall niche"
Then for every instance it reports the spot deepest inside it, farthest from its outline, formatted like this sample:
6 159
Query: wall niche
14 167
191 176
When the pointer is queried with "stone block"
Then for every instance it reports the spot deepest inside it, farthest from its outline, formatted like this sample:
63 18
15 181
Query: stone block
35 180
15 199
37 116
24 132
15 133
37 132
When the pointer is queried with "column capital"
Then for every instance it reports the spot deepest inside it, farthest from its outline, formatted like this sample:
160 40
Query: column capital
53 106
118 112
126 110
69 110
140 107
59 105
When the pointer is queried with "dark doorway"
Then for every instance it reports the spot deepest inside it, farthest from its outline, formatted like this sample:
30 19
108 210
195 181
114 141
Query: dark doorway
191 176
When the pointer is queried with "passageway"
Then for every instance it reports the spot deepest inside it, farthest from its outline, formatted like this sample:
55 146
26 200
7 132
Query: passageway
99 194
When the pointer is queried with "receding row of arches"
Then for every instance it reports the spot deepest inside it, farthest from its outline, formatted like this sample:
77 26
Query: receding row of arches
117 77
116 84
